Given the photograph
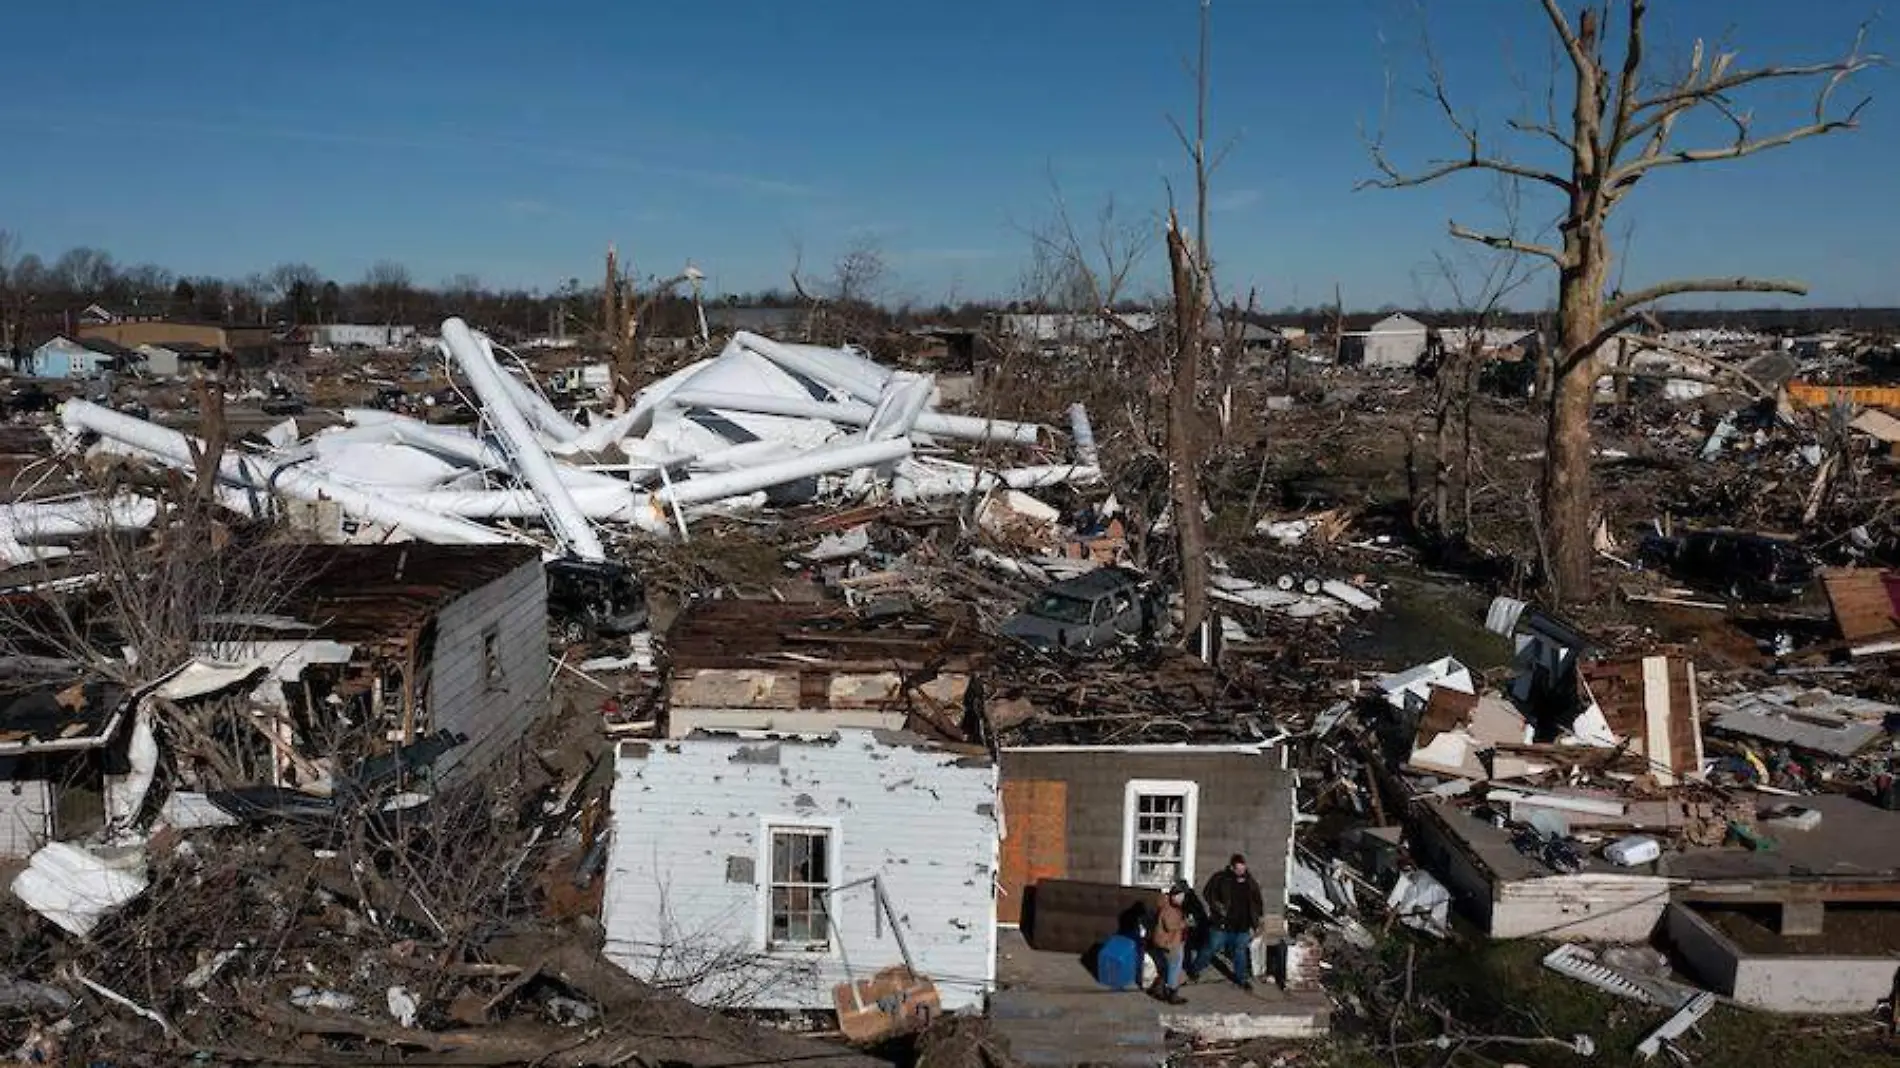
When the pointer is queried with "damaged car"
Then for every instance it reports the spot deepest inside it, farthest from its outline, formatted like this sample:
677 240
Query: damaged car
1741 565
591 598
1090 612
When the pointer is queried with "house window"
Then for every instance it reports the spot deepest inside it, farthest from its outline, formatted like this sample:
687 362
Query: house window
492 674
1158 831
801 874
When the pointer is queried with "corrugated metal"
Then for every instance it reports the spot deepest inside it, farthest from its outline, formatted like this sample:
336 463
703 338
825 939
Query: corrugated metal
684 897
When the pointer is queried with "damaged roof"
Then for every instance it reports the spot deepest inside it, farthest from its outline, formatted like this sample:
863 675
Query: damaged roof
37 715
361 593
1813 720
768 634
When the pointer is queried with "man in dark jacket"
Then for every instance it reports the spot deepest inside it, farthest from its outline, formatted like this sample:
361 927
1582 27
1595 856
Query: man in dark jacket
1235 911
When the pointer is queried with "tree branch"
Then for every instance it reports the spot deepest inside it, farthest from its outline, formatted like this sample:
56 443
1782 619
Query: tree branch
1567 35
1635 169
1505 243
1626 101
1395 179
1713 85
1475 160
1630 302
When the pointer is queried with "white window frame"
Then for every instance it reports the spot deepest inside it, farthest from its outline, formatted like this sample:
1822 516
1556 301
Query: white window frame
833 879
1190 821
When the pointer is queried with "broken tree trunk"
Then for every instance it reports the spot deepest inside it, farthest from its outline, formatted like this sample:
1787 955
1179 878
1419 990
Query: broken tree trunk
1183 453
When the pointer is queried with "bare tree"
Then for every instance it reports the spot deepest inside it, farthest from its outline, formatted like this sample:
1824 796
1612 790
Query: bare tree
625 314
860 273
389 285
86 272
1623 116
9 247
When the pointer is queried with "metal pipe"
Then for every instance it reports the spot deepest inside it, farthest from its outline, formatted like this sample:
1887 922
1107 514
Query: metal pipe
824 460
856 414
1084 435
531 461
528 401
275 477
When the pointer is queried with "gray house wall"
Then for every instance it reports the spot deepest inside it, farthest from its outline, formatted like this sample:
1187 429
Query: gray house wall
461 697
1245 805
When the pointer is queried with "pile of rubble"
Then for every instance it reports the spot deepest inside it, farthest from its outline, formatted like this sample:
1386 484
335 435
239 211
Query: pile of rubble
761 422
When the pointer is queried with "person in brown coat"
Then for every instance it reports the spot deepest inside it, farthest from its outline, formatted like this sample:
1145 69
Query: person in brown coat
1167 942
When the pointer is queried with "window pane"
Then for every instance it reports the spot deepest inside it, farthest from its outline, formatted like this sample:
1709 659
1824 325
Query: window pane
801 869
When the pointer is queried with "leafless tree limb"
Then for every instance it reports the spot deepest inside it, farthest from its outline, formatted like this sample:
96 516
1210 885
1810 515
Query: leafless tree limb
1506 243
1629 302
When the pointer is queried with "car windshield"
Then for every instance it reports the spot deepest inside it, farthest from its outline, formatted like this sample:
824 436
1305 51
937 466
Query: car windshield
1062 608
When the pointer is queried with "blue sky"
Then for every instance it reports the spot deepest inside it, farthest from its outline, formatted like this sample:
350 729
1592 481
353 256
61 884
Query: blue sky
514 140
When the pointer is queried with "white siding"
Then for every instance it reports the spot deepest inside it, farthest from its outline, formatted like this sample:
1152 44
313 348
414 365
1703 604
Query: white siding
685 899
370 335
460 698
1396 341
26 807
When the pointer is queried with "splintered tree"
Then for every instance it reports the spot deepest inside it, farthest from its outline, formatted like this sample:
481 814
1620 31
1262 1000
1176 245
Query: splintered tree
624 313
1624 114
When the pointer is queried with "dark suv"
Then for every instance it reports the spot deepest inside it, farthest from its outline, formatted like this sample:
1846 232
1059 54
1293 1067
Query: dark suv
1742 565
590 598
1087 613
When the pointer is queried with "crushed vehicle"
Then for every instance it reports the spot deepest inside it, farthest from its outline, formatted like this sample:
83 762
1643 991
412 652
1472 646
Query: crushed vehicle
1090 612
283 402
1741 565
591 598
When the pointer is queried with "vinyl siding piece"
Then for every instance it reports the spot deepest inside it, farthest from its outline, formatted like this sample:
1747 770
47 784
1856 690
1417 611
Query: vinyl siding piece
26 809
514 610
688 872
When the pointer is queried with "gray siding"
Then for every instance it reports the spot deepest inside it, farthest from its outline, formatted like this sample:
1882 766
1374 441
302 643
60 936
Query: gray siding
1245 806
460 699
25 807
688 873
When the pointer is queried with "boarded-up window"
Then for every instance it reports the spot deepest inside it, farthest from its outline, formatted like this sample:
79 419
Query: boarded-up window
801 873
1159 831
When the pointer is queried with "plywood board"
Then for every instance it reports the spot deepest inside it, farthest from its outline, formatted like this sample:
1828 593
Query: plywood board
1035 841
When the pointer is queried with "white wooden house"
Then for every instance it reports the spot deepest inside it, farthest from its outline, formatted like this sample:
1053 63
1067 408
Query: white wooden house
741 864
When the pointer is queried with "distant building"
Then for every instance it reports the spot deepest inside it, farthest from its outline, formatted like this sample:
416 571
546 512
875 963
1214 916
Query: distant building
249 346
1055 330
159 332
66 358
1396 341
772 322
363 335
179 358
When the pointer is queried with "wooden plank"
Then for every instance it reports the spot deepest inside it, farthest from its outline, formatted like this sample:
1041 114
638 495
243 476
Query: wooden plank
1656 713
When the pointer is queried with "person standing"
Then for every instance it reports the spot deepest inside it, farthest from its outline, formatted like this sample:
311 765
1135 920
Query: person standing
1235 910
1167 942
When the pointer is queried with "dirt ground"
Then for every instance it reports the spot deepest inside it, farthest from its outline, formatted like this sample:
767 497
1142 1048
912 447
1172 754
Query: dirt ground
1866 931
